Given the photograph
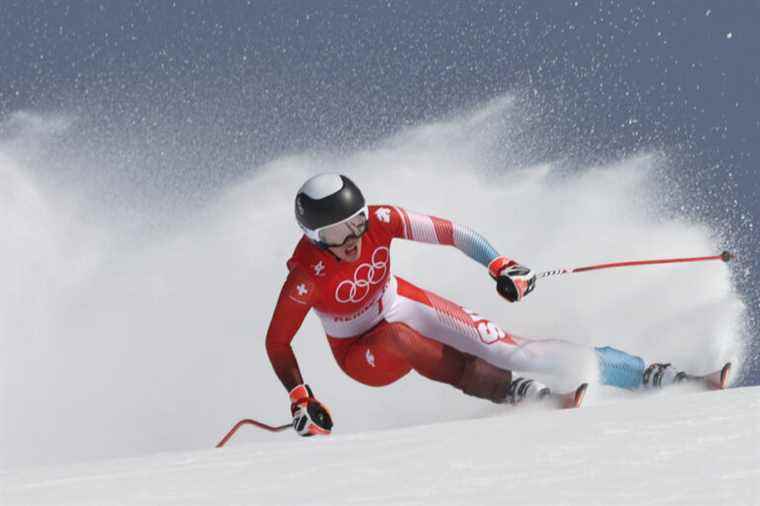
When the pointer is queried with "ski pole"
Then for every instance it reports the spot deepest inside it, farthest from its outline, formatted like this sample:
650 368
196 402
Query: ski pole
249 421
725 256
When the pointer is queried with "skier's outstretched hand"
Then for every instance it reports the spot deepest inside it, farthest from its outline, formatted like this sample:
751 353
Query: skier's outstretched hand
310 417
513 281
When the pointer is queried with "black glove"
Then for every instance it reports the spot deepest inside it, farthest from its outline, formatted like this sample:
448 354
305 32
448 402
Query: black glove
513 281
310 417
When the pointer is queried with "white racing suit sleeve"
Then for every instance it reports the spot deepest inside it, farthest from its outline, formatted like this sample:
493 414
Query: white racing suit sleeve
433 230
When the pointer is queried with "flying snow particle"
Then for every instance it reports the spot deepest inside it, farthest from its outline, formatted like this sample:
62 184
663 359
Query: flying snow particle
729 35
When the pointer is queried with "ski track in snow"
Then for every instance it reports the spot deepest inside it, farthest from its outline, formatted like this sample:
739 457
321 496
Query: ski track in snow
666 448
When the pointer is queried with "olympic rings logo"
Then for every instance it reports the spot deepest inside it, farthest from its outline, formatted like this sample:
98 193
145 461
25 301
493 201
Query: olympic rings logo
366 275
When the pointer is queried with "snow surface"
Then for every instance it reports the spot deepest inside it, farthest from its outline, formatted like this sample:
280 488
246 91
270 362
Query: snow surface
667 448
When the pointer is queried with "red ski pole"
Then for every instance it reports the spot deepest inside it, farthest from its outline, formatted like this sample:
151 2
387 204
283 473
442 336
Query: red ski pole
725 256
249 421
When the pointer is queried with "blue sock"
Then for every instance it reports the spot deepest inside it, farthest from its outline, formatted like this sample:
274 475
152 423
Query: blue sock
619 369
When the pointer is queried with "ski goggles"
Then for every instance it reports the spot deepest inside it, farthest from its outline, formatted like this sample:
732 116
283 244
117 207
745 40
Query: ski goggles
338 234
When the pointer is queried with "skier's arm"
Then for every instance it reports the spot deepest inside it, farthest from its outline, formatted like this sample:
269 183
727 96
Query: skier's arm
514 281
434 230
310 417
296 298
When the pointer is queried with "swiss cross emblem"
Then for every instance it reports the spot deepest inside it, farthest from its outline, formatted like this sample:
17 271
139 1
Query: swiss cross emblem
370 358
302 290
319 268
383 214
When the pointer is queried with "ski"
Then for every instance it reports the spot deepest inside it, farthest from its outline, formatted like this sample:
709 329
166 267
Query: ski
569 400
716 380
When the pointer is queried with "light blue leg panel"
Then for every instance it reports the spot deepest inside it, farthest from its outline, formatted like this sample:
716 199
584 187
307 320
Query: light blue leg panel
619 369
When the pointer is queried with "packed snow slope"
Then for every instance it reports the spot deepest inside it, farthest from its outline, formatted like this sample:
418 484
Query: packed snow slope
668 448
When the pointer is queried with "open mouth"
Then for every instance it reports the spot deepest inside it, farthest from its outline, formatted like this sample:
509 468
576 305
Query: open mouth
352 251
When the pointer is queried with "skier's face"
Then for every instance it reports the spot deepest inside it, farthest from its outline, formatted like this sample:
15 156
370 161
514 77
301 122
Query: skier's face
349 251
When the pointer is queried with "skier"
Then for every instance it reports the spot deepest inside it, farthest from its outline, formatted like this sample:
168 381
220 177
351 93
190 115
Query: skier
380 326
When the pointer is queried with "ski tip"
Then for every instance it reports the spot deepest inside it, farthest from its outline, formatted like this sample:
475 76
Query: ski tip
580 393
718 380
724 376
575 399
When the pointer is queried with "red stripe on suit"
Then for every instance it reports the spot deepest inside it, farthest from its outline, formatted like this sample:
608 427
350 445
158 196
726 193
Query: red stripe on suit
444 231
407 224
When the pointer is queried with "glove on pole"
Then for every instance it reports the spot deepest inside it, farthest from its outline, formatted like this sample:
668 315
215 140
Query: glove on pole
513 281
310 417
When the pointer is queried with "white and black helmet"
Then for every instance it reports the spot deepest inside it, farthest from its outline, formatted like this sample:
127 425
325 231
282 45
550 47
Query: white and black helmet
326 200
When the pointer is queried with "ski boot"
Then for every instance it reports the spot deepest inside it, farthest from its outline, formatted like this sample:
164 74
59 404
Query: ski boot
660 375
524 389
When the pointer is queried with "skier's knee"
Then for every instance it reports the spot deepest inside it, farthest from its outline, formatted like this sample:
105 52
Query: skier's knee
434 360
484 380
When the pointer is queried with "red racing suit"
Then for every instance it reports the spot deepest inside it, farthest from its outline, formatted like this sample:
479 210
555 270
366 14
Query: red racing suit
367 312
